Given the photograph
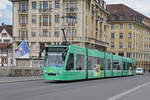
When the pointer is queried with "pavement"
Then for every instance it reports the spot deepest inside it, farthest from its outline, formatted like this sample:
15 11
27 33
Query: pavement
19 79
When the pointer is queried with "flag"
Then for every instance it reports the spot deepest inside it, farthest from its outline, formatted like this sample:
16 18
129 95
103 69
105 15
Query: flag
22 51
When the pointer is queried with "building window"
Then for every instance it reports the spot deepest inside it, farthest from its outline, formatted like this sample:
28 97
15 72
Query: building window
129 26
121 26
50 20
57 19
112 45
23 20
23 6
33 34
72 5
71 20
112 17
45 32
34 19
112 27
6 41
129 35
56 33
50 34
129 44
120 45
4 61
105 28
121 35
129 54
57 3
45 20
45 5
34 5
120 17
50 4
4 34
112 35
0 41
23 33
5 51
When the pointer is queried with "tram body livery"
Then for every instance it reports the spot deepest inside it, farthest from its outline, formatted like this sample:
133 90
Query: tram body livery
66 63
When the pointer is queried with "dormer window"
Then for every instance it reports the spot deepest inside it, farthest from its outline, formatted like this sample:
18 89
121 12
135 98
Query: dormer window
4 35
112 17
120 17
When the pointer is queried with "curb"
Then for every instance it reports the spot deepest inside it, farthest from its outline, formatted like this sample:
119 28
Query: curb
16 81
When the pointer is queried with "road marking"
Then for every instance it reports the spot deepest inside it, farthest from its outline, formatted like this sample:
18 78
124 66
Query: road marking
118 96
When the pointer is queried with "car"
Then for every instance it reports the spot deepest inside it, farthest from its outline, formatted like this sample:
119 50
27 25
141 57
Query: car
139 71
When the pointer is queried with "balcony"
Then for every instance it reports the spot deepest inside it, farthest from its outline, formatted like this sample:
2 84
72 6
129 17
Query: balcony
71 9
73 39
45 10
23 25
19 39
23 11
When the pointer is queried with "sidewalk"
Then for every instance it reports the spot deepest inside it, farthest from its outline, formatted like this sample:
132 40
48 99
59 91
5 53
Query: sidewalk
19 79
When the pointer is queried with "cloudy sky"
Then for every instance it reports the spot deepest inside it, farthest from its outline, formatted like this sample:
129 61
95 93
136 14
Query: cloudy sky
141 6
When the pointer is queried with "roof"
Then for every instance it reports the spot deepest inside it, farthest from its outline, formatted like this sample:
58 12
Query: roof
6 45
8 28
128 13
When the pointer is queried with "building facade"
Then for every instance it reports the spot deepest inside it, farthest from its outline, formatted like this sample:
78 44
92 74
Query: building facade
5 45
129 34
39 22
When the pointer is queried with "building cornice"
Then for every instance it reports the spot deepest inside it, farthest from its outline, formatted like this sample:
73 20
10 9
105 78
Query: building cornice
128 21
101 8
16 0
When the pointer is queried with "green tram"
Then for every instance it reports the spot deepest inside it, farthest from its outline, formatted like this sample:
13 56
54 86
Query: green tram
66 63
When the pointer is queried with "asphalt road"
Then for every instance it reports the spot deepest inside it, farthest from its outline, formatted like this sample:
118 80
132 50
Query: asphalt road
122 88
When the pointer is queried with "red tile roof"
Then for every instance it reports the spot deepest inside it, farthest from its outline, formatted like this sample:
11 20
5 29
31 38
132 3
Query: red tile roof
128 13
6 45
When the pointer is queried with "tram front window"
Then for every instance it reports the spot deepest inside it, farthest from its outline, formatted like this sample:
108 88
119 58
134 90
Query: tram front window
54 60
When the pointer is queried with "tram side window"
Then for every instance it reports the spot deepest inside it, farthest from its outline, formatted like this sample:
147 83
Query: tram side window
101 62
108 64
134 66
95 61
128 65
131 67
70 62
120 66
79 62
90 63
116 65
124 66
